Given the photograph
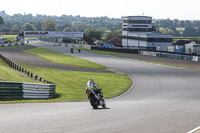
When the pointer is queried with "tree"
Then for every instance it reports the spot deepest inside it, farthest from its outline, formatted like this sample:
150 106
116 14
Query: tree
175 22
94 34
188 23
167 31
114 34
28 27
16 27
166 23
176 32
182 23
196 23
198 31
5 29
67 29
49 25
38 25
1 21
190 32
65 25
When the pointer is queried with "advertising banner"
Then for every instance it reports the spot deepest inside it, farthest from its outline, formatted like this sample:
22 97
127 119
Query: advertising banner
53 34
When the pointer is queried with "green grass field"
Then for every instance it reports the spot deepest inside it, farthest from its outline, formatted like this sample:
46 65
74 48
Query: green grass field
9 74
101 52
10 37
63 58
70 85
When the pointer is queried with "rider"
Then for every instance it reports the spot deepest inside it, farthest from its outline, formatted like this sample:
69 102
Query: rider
94 86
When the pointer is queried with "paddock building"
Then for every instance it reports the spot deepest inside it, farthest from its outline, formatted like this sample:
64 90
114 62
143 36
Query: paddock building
139 31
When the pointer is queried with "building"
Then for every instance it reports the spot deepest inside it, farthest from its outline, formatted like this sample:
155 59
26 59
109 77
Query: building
114 41
138 31
2 40
184 42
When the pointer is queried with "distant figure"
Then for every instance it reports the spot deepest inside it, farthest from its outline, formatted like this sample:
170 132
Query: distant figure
27 41
72 50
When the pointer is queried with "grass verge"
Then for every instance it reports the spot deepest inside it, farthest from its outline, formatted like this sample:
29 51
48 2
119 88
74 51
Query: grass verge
10 37
64 59
101 52
9 74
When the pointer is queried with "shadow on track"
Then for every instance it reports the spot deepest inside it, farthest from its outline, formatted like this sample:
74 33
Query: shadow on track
101 108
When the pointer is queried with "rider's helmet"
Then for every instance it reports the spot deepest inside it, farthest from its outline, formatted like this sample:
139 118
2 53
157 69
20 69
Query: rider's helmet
92 81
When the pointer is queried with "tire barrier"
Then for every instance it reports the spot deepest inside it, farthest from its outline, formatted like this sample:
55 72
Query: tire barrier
171 56
17 90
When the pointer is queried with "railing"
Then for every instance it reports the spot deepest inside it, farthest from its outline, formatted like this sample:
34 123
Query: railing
171 56
65 44
17 90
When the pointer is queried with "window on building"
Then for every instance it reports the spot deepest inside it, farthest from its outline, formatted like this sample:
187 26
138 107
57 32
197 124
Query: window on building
139 25
138 21
159 39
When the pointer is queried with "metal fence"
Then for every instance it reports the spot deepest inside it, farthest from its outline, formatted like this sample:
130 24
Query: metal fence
171 56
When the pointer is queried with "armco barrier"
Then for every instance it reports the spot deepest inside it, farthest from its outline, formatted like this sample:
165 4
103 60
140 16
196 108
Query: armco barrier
135 51
171 56
17 90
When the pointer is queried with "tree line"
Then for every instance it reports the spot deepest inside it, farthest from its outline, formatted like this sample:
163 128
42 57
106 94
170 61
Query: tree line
179 28
103 27
18 23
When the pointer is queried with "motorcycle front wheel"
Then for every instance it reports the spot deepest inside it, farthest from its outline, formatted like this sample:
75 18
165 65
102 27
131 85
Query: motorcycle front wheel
93 102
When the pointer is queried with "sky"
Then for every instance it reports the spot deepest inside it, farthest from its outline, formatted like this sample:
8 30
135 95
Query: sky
158 9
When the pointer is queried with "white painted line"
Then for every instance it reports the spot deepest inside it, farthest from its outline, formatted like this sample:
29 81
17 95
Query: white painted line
194 130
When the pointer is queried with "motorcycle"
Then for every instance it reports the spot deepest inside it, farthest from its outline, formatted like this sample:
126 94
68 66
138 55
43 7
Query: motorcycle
95 96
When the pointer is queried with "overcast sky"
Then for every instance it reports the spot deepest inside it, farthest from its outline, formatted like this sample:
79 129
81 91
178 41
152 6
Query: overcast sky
158 9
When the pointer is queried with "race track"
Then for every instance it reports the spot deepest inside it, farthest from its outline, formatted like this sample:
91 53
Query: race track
162 100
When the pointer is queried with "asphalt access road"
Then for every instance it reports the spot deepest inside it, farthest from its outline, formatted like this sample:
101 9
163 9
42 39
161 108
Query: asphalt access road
163 100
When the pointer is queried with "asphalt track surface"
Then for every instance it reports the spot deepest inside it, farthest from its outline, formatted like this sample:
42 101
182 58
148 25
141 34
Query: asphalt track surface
162 100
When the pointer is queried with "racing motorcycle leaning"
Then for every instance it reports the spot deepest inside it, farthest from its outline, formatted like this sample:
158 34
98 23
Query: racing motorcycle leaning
95 94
